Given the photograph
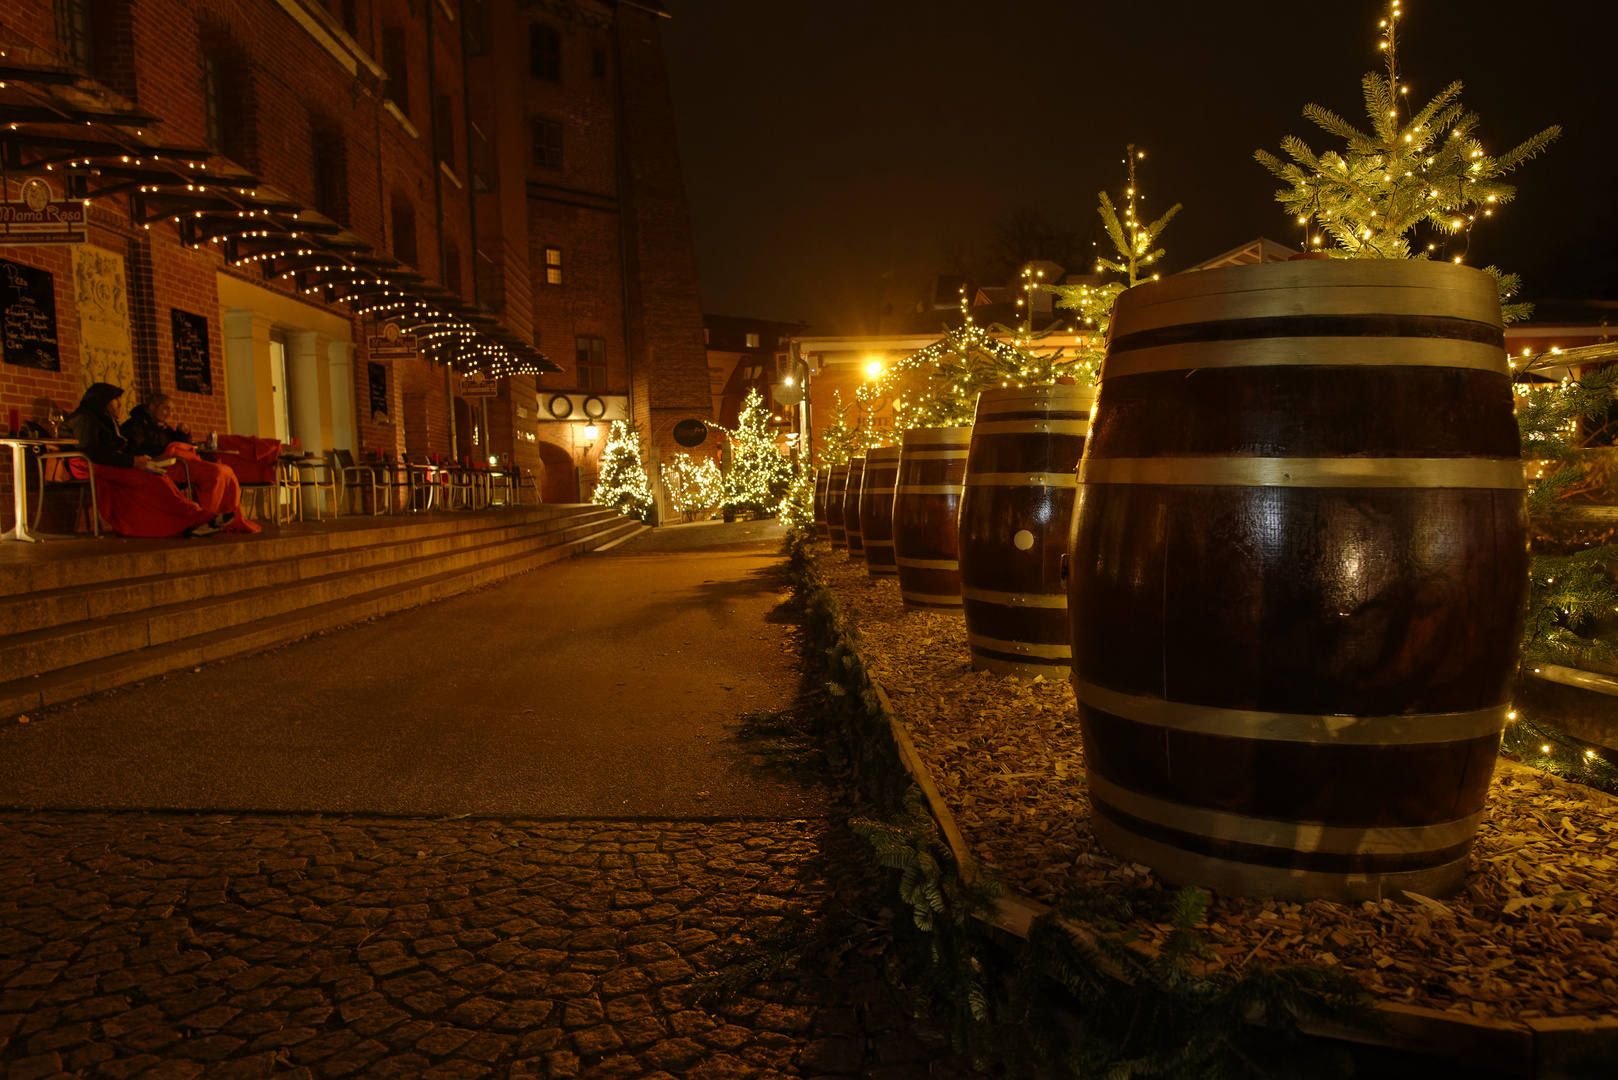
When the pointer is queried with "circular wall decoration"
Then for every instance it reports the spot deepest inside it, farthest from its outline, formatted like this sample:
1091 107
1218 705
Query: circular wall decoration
690 432
594 407
560 406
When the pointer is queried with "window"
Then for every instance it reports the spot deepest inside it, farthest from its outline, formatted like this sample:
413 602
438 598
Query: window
213 103
75 35
351 17
330 172
592 373
444 129
553 266
752 341
452 267
544 52
598 63
396 64
547 144
404 230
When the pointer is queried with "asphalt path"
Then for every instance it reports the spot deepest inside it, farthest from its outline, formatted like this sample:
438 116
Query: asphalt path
597 687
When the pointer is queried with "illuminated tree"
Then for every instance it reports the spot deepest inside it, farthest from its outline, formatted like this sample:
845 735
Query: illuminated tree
693 486
759 474
842 438
622 483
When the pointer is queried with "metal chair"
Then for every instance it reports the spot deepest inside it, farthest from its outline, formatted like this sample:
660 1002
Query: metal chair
309 475
357 479
81 484
523 479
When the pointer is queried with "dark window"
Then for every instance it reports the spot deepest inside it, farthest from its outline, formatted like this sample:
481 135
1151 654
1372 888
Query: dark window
544 52
75 34
592 363
444 129
553 266
547 144
396 63
330 173
452 267
350 15
598 63
213 102
404 230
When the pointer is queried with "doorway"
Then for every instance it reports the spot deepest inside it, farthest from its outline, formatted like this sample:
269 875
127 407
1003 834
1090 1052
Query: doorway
471 437
561 481
279 393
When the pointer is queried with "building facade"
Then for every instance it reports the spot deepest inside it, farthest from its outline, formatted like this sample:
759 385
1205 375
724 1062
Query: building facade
277 196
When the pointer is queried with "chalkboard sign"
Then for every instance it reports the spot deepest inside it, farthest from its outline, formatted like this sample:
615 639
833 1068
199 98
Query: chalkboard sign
28 317
193 368
379 391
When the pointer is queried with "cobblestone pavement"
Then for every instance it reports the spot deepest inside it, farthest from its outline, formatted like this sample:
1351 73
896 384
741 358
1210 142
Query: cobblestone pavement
174 946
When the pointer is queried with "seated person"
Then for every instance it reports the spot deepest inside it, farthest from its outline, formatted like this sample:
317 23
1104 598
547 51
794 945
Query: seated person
133 494
148 432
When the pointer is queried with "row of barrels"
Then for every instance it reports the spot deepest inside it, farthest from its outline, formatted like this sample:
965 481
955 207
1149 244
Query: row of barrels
1297 539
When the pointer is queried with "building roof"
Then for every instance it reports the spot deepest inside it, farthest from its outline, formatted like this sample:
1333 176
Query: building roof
1261 250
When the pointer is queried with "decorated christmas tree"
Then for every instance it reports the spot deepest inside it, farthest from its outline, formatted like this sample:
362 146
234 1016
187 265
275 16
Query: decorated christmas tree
797 510
622 483
843 438
1135 243
694 486
759 474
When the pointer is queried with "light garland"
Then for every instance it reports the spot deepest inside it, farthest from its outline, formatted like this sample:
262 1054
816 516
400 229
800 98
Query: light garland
759 475
622 482
694 487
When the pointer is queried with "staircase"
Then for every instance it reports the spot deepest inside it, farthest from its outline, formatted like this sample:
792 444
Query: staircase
84 616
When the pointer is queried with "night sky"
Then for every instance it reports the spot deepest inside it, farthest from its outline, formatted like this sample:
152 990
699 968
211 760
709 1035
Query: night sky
838 152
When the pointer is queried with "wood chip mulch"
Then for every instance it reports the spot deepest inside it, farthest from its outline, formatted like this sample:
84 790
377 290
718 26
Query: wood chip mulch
1532 933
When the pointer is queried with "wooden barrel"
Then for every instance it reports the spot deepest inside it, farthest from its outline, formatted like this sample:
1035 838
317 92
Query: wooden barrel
822 477
1015 515
1299 565
876 509
926 504
836 481
851 507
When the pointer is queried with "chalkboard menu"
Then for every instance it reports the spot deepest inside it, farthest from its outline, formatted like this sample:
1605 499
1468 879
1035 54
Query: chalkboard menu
379 390
28 317
193 369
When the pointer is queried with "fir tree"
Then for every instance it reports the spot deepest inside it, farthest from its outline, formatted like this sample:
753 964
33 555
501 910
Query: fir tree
622 483
759 473
693 486
1413 167
842 438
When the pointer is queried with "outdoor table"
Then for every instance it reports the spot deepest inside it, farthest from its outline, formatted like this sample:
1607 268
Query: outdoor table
19 481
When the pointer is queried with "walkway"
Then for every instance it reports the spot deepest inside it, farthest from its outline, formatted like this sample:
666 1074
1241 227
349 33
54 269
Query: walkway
511 835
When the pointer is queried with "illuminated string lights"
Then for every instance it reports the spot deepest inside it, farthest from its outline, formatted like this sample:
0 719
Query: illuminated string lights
622 483
759 475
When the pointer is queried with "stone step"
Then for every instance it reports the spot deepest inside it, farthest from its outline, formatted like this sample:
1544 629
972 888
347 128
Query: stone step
104 653
273 562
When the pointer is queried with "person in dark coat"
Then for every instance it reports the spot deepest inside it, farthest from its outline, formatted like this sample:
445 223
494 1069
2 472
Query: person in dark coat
148 429
134 494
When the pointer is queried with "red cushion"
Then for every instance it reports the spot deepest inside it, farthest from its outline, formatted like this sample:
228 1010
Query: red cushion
253 460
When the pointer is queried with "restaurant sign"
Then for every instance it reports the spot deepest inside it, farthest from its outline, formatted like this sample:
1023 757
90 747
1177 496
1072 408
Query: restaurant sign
38 217
391 344
477 384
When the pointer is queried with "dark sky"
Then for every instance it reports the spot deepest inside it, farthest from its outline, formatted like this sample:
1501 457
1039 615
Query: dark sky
836 151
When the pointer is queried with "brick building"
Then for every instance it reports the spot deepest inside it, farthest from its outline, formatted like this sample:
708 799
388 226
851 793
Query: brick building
266 184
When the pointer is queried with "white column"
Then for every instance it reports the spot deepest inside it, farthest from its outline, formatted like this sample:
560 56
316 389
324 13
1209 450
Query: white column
340 364
307 379
251 406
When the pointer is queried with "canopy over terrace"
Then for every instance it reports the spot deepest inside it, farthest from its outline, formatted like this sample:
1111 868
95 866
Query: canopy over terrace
56 123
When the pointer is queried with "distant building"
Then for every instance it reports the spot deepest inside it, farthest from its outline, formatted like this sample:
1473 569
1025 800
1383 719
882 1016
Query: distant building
269 183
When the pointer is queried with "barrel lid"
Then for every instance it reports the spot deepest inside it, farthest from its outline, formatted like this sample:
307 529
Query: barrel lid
882 453
1035 398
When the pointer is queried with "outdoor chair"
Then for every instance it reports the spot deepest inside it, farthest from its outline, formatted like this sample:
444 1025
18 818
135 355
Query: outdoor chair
56 474
458 482
256 463
357 479
522 479
316 473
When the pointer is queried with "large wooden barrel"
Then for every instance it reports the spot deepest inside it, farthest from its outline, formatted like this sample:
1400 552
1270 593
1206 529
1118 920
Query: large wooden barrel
836 481
1015 515
851 507
1299 564
822 527
876 509
926 505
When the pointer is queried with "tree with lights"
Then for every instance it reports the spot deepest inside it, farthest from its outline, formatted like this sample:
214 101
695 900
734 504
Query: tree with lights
694 486
842 438
622 483
1414 167
1135 243
797 510
759 474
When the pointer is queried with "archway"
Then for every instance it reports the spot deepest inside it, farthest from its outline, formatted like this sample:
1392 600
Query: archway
561 481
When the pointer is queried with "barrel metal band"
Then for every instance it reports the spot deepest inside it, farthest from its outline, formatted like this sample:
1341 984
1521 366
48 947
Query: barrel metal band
1493 473
930 564
934 455
879 543
1294 835
1416 728
1021 648
1024 427
1310 352
1011 599
1022 479
1316 325
929 489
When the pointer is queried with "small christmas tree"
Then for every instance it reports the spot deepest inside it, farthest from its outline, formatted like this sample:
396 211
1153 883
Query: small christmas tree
841 439
797 510
759 473
622 483
694 486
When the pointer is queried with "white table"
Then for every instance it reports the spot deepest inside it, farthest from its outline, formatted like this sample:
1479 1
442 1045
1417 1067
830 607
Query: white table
19 482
